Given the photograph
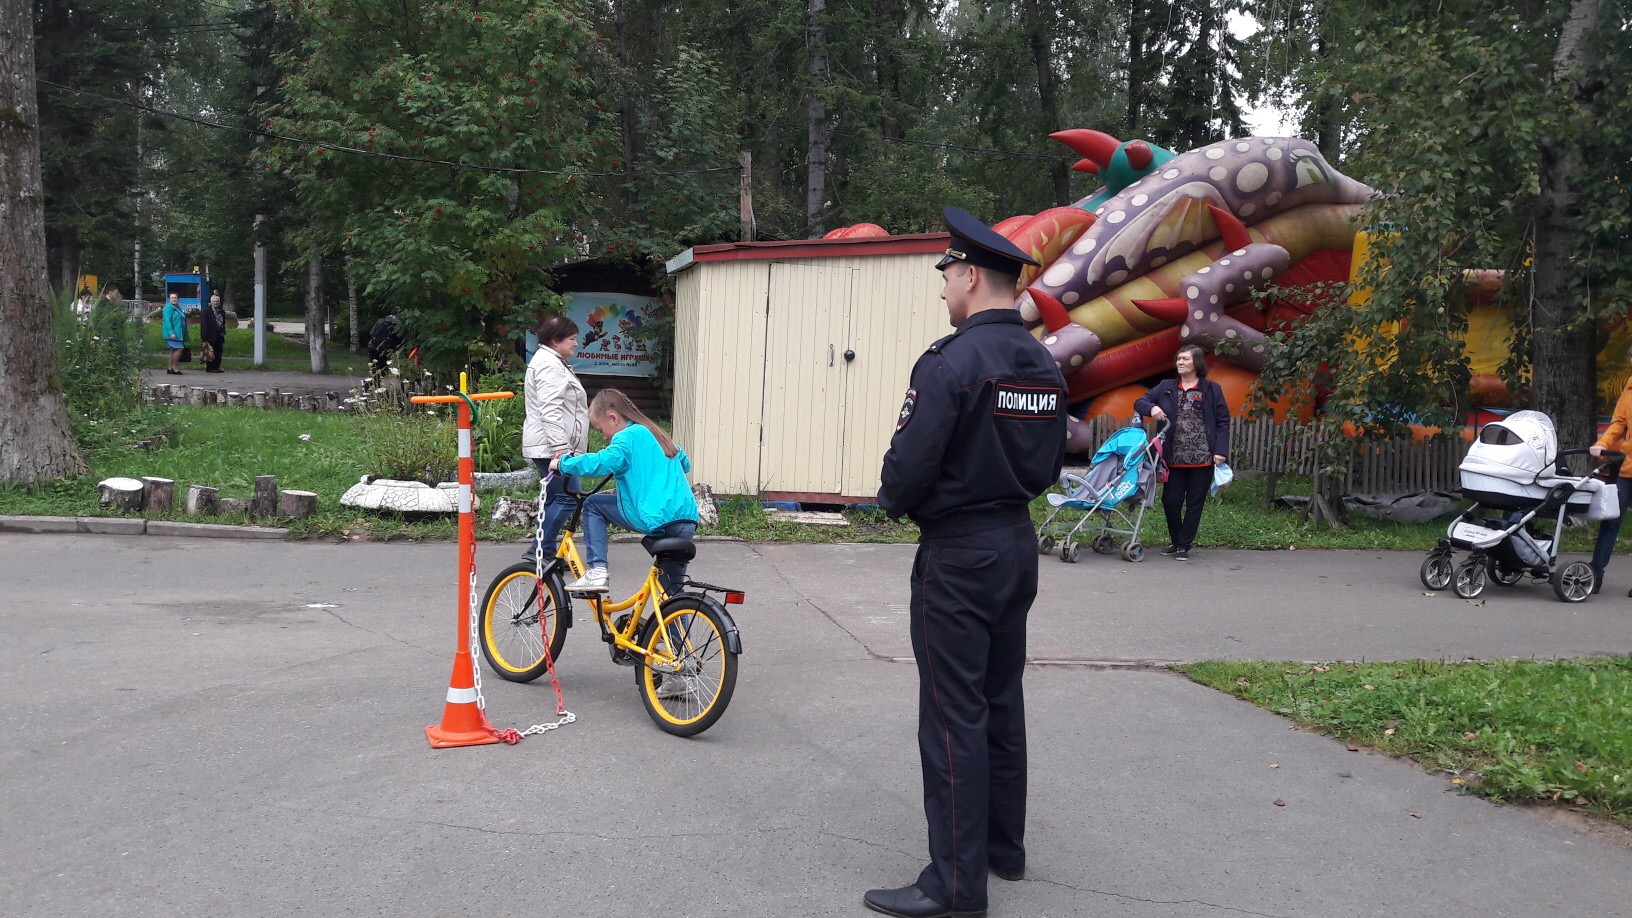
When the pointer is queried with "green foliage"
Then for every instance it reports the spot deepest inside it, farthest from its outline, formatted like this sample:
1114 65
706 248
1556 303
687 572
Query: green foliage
100 362
501 85
1510 730
410 447
497 443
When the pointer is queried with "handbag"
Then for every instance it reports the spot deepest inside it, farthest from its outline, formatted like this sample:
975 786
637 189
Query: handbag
186 355
209 352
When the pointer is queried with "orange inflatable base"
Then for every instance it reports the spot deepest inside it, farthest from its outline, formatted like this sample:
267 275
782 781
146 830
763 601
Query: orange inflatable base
445 739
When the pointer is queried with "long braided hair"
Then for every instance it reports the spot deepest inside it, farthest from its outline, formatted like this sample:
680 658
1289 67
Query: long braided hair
614 400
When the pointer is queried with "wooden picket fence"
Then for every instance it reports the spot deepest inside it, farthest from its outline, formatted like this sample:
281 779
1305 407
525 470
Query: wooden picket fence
1288 448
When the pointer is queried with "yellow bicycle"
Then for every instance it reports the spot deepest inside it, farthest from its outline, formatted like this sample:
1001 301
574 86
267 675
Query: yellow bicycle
684 655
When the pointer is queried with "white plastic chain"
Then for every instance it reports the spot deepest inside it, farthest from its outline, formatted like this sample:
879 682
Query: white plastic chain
566 716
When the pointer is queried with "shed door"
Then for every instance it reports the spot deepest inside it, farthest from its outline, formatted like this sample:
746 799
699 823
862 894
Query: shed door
807 325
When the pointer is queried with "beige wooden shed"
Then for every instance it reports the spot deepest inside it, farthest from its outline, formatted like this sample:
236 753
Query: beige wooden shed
792 360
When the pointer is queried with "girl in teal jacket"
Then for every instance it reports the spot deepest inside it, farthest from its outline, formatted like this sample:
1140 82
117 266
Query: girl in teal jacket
653 496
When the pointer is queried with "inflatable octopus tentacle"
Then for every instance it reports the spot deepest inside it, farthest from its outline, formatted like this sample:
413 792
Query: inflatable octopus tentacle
1227 281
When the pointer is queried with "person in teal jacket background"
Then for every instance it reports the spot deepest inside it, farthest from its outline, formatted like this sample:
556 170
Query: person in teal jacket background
653 496
175 332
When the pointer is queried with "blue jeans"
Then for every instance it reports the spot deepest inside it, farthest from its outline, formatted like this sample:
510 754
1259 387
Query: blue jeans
602 509
557 505
1608 530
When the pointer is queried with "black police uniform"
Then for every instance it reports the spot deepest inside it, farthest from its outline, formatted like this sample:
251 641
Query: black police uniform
982 433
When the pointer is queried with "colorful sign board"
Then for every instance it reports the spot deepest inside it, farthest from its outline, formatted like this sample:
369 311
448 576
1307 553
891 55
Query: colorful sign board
605 345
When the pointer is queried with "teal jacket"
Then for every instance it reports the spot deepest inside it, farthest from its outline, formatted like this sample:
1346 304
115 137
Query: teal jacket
175 323
652 488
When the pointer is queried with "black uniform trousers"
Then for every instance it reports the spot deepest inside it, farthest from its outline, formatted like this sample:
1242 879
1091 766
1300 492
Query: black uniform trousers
1183 497
970 597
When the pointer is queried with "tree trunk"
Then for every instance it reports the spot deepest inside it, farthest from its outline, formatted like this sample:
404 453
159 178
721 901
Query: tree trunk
158 493
1563 374
1042 56
201 500
351 304
1138 69
317 344
297 504
36 443
816 158
265 502
121 493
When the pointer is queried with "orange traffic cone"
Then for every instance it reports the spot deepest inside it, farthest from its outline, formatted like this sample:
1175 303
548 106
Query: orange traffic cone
463 723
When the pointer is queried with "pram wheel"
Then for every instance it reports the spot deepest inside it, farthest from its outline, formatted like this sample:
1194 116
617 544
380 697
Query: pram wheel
1045 544
1070 552
1133 551
1103 544
1470 578
1504 575
1436 571
1573 581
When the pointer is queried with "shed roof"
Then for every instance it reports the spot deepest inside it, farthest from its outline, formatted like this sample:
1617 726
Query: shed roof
918 244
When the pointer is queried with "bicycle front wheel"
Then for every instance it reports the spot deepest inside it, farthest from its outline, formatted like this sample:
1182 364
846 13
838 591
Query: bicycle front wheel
515 627
688 676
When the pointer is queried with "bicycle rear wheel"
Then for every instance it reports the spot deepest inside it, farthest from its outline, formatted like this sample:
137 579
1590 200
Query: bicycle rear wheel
686 696
515 628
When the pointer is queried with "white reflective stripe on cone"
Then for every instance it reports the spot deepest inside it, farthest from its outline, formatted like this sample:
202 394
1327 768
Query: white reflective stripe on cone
464 444
464 498
461 695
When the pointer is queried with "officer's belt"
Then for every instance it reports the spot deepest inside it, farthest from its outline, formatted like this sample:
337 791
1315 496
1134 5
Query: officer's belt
970 521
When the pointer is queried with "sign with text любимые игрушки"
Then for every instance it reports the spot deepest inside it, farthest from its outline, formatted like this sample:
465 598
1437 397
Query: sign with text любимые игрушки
605 343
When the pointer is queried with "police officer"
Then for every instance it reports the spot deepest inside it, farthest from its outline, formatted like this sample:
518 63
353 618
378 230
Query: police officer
982 433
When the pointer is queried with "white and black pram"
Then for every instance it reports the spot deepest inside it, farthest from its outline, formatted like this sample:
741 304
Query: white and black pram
1109 501
1517 477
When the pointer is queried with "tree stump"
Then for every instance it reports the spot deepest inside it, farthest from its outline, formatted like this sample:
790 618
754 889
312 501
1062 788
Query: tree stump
265 501
708 514
259 399
158 493
234 505
121 493
195 396
201 501
235 398
297 504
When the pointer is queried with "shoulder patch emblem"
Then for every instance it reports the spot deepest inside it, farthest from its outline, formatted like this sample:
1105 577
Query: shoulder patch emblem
906 409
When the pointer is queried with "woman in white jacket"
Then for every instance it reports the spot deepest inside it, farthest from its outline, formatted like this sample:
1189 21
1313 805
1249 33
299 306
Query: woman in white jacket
557 418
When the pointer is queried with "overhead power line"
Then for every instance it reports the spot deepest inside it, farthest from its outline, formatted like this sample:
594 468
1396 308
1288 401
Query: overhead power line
377 154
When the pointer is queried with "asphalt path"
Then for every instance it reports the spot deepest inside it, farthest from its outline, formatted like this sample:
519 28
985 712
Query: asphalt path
220 728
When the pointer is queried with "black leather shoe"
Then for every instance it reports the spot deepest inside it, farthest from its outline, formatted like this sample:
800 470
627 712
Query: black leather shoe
908 902
1009 873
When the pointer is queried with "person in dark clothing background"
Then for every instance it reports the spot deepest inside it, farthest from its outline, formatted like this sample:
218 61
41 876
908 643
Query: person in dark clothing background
1197 440
980 435
383 340
213 331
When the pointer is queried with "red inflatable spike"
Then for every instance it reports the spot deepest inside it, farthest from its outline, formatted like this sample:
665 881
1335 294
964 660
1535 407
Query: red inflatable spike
1139 154
1085 165
1096 145
1054 315
1172 309
1231 228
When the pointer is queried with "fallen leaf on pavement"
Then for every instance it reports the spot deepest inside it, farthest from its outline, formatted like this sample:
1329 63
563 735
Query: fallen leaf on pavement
1416 815
1274 764
1352 748
1280 802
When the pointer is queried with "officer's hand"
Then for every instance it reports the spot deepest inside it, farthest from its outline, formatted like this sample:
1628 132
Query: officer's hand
1596 451
1157 414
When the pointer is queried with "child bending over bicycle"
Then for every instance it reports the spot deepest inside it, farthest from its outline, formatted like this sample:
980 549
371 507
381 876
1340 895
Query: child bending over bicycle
652 498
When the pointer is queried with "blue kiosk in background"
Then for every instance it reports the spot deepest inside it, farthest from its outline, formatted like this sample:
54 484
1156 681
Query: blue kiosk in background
193 288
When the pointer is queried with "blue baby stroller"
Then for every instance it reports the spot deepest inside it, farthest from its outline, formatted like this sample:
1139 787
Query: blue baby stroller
1110 501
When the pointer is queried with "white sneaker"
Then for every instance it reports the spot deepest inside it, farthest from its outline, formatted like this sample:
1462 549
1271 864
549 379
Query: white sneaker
593 581
675 685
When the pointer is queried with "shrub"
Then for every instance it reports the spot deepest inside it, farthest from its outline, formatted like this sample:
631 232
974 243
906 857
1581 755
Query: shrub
411 447
497 444
101 366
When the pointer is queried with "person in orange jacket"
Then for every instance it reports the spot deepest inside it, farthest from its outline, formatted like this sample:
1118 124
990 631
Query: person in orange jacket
1615 439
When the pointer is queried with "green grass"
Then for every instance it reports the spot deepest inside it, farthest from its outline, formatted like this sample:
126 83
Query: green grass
1522 731
282 354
